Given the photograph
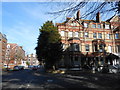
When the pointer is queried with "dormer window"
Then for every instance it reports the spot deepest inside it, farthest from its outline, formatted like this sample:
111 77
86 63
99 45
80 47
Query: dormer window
98 26
8 46
73 24
85 24
107 26
93 25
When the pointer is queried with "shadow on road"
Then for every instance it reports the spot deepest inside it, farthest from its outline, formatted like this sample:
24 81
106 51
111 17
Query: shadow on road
30 79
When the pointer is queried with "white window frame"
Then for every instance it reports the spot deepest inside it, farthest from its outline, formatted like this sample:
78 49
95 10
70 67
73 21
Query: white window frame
100 37
76 34
70 34
62 33
98 26
8 46
85 24
73 24
107 26
108 36
110 49
86 34
94 35
93 25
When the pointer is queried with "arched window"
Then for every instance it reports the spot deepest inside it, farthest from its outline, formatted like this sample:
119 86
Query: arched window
8 46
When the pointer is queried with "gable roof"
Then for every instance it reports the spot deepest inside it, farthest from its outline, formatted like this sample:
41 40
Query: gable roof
113 18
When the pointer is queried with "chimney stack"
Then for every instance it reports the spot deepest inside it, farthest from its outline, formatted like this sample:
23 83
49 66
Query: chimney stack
78 15
98 17
21 47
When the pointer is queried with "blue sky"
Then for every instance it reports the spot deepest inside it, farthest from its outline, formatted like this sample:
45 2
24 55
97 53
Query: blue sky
21 21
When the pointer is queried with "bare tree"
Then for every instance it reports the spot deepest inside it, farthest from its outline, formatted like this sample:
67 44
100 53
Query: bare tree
90 8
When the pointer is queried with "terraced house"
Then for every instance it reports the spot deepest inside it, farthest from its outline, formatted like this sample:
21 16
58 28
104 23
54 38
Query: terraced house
89 42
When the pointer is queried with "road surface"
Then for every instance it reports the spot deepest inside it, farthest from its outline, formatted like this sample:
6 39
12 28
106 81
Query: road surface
32 79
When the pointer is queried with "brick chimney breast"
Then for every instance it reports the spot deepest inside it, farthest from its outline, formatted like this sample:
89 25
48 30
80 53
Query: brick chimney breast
78 15
98 17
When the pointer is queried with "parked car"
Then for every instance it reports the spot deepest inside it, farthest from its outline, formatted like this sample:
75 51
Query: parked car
34 68
114 69
5 66
39 66
16 68
30 66
21 67
118 66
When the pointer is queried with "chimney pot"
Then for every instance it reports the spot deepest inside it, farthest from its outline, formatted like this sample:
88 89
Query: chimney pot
78 15
98 17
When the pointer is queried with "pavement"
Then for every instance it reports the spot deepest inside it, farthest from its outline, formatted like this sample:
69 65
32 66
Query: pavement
38 79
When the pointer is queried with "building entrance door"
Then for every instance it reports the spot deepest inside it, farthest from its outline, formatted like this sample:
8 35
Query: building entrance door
76 61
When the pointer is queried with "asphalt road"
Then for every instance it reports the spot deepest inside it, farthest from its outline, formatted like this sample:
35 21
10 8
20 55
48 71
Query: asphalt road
30 79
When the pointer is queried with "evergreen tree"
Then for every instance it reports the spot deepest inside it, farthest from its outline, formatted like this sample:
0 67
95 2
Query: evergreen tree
49 46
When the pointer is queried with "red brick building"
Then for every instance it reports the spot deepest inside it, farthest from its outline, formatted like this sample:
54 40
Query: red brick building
14 55
94 39
3 45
